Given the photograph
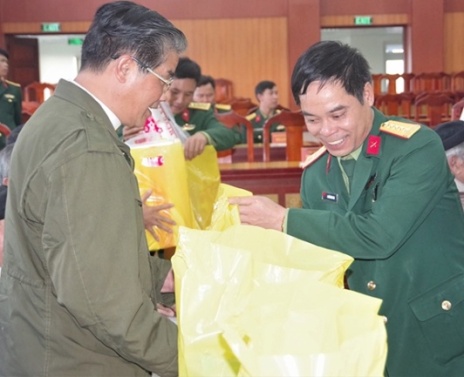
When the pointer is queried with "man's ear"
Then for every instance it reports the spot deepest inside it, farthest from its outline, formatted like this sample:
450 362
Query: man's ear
125 67
368 94
5 181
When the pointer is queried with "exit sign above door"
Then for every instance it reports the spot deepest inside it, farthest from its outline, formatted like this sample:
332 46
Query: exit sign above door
363 20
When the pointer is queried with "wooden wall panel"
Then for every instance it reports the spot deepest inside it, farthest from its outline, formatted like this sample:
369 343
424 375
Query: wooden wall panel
245 51
454 35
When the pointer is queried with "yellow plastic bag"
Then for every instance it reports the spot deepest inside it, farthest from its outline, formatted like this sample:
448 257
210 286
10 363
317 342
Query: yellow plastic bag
155 165
319 330
203 179
220 276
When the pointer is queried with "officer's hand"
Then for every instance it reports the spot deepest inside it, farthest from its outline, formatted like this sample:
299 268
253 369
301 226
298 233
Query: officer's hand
195 145
260 211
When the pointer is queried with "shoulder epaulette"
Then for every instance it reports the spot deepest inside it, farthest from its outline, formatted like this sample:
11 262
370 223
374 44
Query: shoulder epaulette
200 106
12 83
312 158
251 116
223 106
400 129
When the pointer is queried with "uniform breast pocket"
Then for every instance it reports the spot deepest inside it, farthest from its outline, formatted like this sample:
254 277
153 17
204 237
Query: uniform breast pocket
440 314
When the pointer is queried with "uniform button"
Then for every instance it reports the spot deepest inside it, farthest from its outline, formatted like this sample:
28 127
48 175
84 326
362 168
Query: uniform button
371 285
446 305
385 319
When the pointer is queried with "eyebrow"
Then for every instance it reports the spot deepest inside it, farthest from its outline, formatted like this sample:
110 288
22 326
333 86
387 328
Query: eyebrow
334 110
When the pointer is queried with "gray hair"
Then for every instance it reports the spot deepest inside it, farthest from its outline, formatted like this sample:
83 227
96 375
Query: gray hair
457 151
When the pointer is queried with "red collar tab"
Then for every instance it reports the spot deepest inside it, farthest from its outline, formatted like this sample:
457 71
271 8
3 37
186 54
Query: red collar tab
373 145
186 115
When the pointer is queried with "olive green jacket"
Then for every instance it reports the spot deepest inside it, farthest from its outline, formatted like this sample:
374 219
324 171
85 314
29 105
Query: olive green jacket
78 288
404 225
197 118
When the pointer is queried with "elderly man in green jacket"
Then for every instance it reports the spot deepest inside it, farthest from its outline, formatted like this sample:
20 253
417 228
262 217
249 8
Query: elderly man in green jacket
397 211
79 291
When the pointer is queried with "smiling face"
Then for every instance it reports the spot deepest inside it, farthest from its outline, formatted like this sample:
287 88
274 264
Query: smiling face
181 94
337 118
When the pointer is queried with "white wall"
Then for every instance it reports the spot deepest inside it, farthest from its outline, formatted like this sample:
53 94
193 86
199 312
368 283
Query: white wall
57 59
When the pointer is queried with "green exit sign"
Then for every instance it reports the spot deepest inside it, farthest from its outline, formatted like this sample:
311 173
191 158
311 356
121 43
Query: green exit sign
75 41
363 20
51 27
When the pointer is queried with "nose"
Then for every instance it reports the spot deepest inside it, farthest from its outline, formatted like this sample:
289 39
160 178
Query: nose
325 128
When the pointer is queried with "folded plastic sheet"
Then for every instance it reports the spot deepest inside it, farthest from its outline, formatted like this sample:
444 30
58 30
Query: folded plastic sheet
255 302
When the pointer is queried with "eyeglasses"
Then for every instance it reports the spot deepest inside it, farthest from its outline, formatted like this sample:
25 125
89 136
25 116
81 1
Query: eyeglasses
167 83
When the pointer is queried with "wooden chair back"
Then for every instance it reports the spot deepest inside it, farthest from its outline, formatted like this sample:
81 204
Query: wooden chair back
433 109
224 91
294 126
242 106
4 130
38 91
231 120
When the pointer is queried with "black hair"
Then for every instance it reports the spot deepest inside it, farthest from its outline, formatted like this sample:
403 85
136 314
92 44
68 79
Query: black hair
331 61
205 80
263 85
188 69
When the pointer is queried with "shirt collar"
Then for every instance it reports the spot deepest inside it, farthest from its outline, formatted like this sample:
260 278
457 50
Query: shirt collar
112 116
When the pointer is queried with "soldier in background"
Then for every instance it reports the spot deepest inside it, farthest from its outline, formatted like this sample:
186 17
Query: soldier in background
268 98
10 98
206 92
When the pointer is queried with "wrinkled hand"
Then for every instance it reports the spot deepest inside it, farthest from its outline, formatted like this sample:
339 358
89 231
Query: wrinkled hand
166 310
195 145
260 211
156 216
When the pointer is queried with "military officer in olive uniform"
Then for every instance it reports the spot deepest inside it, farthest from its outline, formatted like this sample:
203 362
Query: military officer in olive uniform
10 98
206 92
267 96
396 211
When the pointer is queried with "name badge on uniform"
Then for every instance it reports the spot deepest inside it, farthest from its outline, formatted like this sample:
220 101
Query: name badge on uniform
330 197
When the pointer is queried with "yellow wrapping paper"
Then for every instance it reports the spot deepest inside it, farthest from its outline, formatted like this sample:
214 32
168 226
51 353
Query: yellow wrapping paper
160 166
249 304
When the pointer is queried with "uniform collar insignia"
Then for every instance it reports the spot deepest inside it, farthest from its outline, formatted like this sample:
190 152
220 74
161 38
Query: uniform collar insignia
373 145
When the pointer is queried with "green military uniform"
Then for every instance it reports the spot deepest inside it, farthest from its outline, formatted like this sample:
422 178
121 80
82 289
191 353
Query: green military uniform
404 225
258 120
199 117
10 106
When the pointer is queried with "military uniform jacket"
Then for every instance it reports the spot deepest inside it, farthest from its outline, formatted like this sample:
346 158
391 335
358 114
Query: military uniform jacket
77 294
258 120
10 104
404 225
199 117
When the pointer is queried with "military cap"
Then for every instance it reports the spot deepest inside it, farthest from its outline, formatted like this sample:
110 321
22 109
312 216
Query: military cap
4 53
451 133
